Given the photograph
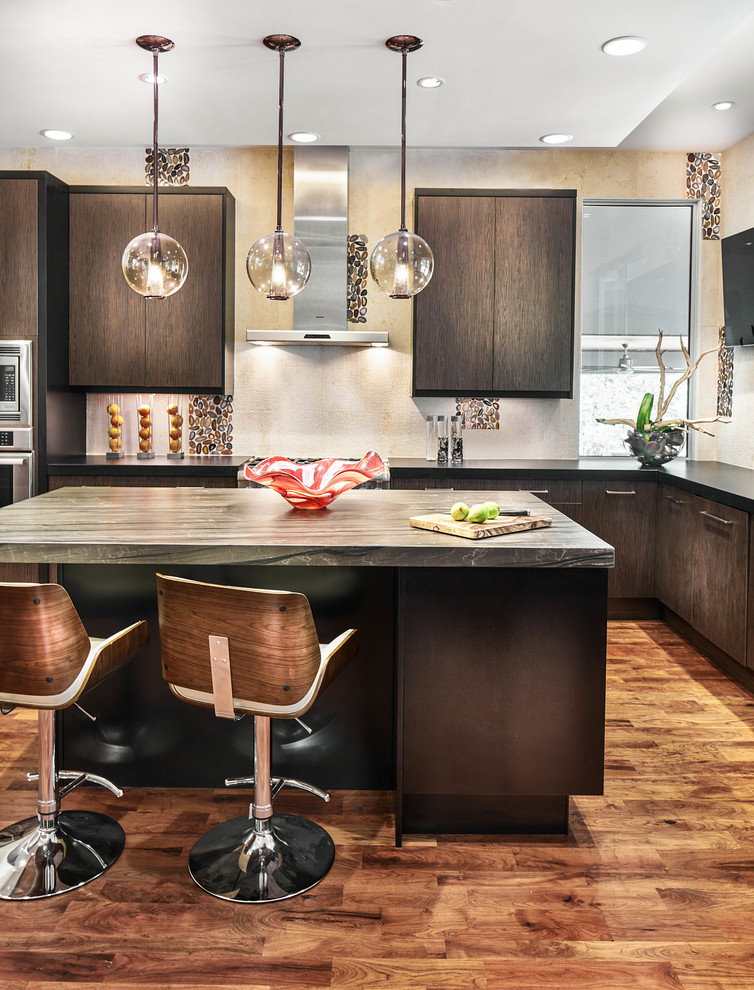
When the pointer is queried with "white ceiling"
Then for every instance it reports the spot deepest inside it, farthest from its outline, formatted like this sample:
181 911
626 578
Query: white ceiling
514 70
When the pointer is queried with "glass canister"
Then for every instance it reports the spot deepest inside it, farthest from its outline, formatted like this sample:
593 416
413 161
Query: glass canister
175 426
144 409
114 427
442 440
456 439
431 438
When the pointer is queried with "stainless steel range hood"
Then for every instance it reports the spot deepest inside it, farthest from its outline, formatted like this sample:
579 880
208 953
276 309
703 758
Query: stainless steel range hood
320 206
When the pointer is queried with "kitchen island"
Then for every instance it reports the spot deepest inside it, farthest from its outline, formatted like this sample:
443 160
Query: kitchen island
478 692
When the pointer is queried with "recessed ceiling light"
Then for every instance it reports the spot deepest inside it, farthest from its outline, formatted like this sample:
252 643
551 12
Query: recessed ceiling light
304 137
148 77
430 82
556 138
627 45
723 105
55 135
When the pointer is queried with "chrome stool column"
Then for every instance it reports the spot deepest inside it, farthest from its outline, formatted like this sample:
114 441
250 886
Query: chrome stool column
262 647
45 649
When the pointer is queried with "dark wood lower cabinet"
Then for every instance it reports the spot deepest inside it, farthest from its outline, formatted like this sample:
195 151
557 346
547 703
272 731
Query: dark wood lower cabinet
623 514
719 566
142 481
673 551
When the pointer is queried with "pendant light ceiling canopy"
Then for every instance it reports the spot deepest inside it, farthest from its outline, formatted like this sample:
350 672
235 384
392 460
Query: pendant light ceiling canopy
278 264
402 263
154 264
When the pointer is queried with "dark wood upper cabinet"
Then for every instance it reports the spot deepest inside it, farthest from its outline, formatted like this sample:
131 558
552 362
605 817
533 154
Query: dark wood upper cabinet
453 318
106 317
118 340
19 258
183 332
497 317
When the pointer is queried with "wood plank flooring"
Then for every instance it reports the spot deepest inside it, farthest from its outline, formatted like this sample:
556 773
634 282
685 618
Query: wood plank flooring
653 888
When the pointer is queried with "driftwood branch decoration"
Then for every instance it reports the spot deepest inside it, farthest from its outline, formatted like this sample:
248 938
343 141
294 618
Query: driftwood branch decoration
643 422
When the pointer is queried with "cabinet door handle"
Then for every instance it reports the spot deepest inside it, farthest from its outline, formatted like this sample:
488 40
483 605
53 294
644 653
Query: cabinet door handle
675 501
725 522
608 492
533 491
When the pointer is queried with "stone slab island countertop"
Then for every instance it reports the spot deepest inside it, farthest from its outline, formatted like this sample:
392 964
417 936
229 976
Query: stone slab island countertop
227 526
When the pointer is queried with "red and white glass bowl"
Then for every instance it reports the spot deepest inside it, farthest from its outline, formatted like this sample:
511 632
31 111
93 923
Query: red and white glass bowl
314 485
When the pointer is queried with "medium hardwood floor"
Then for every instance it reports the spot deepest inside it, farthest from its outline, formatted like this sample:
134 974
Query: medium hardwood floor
653 888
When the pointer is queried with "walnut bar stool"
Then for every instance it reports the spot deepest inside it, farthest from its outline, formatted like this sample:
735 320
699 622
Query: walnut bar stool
47 661
243 651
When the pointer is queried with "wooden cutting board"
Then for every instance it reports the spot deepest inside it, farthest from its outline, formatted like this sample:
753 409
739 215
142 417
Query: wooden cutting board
440 523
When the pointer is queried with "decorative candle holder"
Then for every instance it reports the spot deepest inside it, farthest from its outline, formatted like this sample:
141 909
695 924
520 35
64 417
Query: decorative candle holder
114 427
144 408
175 426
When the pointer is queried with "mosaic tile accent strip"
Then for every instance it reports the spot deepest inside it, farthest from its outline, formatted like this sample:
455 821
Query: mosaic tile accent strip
703 182
210 424
358 270
479 414
172 166
724 378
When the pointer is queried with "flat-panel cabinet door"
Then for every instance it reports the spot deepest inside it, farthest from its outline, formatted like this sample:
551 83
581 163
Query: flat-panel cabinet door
623 514
673 550
453 315
720 568
19 258
106 316
184 333
534 294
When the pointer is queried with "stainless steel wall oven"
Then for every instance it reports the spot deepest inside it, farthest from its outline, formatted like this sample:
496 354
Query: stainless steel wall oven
16 426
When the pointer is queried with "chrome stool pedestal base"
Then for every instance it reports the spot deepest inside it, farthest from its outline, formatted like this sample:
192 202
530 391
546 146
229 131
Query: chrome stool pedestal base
255 861
41 862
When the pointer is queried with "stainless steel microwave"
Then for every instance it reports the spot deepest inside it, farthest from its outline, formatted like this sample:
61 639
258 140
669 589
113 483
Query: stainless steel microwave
16 395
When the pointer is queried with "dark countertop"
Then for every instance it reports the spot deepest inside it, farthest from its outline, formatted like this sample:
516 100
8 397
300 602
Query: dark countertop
724 483
211 466
235 526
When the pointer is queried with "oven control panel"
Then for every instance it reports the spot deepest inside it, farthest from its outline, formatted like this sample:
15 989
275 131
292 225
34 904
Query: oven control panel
6 438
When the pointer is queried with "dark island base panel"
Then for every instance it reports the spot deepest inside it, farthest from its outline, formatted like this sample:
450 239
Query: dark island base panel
486 814
499 692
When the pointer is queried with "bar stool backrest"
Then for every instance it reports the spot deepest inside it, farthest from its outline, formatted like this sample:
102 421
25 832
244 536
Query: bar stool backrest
43 643
273 645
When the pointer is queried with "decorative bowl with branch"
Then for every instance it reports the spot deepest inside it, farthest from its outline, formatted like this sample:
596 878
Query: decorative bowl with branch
657 440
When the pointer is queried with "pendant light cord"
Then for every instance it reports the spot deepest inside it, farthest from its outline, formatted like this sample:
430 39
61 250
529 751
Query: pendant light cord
155 228
280 140
404 56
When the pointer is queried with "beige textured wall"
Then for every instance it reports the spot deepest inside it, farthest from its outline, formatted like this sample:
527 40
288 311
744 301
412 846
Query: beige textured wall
330 400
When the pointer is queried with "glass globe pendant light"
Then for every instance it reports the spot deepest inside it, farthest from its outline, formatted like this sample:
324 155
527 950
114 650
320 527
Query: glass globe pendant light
402 263
278 264
154 264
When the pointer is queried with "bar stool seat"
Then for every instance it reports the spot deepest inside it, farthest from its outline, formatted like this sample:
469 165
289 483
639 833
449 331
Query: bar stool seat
246 651
47 662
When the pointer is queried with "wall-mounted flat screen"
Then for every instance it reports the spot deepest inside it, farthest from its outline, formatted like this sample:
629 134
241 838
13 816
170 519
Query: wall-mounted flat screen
738 287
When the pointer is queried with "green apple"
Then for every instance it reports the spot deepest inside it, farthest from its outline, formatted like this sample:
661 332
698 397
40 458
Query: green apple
459 511
493 509
478 513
